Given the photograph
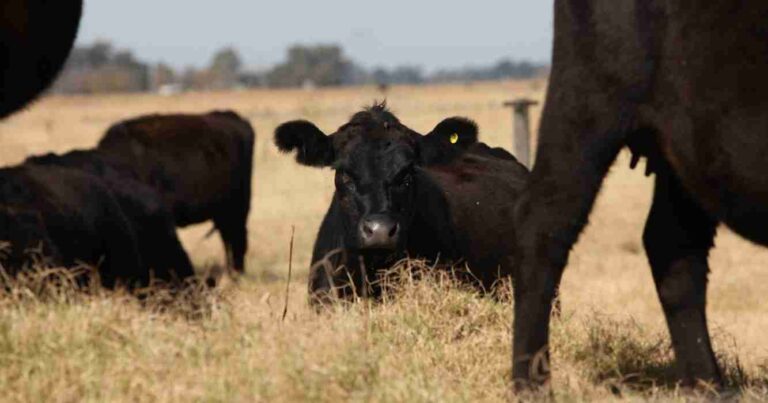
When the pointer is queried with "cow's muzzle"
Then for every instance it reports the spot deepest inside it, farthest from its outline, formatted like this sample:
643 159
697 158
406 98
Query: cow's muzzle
378 231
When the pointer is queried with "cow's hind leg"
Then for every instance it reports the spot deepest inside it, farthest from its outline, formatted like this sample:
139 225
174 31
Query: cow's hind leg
234 235
677 238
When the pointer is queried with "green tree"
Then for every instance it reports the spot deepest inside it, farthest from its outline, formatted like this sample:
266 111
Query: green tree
322 65
225 68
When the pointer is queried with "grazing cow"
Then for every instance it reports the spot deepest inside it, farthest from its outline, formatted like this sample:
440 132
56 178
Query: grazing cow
200 164
158 243
439 196
36 37
74 216
682 83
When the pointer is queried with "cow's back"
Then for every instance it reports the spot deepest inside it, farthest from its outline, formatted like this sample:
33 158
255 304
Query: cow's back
476 198
196 162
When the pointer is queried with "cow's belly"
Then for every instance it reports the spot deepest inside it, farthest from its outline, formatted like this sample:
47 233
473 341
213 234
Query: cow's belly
746 214
723 162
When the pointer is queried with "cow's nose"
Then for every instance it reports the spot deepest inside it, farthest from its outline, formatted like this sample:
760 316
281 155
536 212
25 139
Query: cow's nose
379 232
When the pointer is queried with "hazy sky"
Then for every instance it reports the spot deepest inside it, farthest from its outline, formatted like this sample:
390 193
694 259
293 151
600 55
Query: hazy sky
430 33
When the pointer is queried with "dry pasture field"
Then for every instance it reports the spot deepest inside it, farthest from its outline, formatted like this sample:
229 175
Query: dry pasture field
430 342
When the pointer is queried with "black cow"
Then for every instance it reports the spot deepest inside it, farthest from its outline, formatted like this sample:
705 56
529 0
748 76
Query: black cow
682 83
75 218
200 164
160 248
26 242
398 193
35 39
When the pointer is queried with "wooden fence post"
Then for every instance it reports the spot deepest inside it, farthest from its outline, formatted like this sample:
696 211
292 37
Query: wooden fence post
521 136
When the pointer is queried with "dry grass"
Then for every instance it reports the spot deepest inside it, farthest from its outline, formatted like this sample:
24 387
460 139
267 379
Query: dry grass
430 342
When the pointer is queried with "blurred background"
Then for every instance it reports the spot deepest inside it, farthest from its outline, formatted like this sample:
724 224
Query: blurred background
283 61
178 45
323 61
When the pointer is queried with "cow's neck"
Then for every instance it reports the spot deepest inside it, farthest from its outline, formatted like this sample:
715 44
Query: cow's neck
431 233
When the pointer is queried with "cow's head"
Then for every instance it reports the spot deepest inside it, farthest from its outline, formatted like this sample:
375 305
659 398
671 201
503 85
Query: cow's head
378 163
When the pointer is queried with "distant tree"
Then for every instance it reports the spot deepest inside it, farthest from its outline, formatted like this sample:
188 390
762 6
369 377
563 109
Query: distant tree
398 75
124 58
503 69
224 69
93 56
510 69
226 60
188 77
162 74
99 68
381 76
407 75
102 68
355 75
252 79
195 79
99 54
322 65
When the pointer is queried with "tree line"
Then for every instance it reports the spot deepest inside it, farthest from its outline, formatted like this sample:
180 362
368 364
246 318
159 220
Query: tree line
100 68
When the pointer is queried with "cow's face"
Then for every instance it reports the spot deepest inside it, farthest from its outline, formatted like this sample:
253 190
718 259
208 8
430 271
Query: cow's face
375 186
377 162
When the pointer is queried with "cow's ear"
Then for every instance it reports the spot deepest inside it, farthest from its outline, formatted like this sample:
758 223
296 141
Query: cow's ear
448 139
313 147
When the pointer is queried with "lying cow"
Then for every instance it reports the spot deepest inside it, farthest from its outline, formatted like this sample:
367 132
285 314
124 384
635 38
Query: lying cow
73 216
398 193
25 240
158 243
200 164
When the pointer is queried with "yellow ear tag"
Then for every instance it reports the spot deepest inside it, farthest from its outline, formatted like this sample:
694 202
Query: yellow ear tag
454 138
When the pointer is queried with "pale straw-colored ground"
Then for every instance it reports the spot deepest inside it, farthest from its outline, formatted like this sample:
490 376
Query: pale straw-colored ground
432 342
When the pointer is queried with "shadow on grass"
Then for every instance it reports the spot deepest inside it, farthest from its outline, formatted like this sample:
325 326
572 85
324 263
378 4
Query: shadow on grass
624 357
